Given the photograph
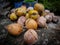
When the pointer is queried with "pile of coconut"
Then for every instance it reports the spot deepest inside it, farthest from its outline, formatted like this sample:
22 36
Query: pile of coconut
30 18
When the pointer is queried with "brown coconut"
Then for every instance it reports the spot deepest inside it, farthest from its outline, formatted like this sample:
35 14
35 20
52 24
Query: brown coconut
39 7
14 29
31 24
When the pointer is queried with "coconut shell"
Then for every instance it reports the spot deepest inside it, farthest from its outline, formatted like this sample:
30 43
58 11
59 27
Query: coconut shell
55 19
39 7
48 18
29 8
47 11
31 24
41 21
21 20
20 11
14 29
31 37
13 16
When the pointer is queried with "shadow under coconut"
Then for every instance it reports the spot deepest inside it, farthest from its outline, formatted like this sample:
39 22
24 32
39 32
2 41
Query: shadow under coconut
3 34
46 36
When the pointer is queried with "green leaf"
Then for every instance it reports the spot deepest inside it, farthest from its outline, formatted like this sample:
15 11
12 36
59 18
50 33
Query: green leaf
29 0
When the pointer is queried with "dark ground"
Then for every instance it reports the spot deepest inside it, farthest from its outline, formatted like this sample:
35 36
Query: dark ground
50 36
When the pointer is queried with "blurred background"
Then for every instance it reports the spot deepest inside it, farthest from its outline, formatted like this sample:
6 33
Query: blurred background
52 5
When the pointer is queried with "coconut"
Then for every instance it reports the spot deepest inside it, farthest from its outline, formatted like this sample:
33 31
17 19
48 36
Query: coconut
13 16
33 14
31 24
55 19
21 20
23 7
29 8
14 29
27 15
48 18
41 21
39 7
20 12
47 11
30 37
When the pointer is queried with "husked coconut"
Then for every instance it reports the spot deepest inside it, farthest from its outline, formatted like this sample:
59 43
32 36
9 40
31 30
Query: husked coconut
39 7
21 20
55 19
30 37
31 24
41 21
14 29
29 8
47 11
49 17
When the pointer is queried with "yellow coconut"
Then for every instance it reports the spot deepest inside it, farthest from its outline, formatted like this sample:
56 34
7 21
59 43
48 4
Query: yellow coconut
20 12
33 14
13 16
39 7
27 16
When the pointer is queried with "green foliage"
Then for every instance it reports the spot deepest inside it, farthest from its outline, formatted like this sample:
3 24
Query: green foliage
53 5
29 0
